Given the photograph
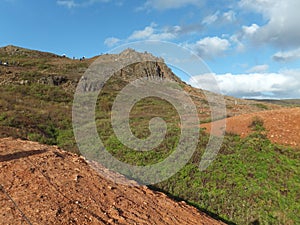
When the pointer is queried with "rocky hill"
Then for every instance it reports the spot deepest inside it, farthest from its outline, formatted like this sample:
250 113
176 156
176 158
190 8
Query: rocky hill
26 67
33 81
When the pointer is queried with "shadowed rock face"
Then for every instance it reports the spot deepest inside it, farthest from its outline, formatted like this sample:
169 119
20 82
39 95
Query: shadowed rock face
145 66
53 80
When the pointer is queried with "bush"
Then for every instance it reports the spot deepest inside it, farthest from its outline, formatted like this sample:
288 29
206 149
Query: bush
257 124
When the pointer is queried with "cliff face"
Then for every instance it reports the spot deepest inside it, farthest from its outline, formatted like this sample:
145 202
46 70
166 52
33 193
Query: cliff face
145 66
149 66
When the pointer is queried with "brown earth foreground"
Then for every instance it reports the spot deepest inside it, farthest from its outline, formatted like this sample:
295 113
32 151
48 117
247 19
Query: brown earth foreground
45 185
282 126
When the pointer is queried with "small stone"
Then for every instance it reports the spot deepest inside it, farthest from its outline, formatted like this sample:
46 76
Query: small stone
111 187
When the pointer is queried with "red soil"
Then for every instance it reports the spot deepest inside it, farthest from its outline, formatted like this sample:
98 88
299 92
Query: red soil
282 126
45 185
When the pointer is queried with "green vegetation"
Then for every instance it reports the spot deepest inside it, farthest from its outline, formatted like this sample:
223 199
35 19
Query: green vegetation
261 106
39 113
140 116
252 181
257 124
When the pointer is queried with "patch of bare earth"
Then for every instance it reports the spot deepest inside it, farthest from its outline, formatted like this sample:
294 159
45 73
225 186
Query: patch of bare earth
45 185
282 126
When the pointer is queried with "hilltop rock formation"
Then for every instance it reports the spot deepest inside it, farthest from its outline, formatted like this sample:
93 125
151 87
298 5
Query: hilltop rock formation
144 65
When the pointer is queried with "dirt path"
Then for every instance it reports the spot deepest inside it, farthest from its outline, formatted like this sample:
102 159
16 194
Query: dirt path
283 126
50 186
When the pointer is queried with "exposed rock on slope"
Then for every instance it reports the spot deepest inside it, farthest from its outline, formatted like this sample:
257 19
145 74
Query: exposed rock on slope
44 185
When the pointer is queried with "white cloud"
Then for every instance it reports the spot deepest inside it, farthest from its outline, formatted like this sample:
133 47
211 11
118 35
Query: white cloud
287 55
229 16
258 5
112 41
67 3
285 84
250 30
226 17
240 47
142 34
259 69
282 16
153 33
247 33
169 4
187 29
73 4
209 47
241 38
211 18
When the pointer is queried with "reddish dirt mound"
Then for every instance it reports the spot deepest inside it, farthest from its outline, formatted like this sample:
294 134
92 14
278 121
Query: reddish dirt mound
282 126
45 185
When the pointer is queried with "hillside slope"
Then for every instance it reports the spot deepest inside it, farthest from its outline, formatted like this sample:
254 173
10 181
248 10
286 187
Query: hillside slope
37 88
251 180
45 185
282 126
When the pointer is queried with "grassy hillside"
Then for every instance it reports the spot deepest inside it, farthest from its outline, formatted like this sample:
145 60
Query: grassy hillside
252 181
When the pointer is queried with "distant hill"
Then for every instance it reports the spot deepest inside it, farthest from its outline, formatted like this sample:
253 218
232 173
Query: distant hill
283 102
11 51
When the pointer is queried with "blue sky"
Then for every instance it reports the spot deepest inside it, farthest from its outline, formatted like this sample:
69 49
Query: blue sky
252 46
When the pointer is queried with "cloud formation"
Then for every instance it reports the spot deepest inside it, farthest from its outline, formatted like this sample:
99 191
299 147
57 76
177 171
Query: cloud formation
285 84
67 3
169 4
73 4
225 17
287 55
282 26
152 32
259 69
249 31
112 41
229 16
209 47
211 18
